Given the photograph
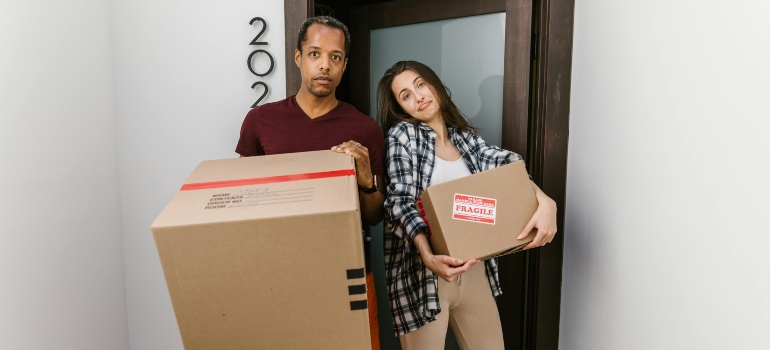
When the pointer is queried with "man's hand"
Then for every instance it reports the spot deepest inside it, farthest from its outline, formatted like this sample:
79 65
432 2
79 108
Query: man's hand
443 266
361 154
371 204
544 220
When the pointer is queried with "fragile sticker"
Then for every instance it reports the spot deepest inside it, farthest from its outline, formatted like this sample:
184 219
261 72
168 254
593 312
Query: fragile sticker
474 209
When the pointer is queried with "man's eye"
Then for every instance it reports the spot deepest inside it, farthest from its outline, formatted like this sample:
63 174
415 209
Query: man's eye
337 58
314 54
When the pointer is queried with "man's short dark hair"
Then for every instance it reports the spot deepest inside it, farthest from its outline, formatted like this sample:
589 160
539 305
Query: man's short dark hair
327 21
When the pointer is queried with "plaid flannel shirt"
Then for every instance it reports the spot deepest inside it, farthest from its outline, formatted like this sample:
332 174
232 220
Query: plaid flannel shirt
413 289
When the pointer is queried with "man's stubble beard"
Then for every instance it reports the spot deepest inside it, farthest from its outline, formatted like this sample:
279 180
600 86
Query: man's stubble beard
319 92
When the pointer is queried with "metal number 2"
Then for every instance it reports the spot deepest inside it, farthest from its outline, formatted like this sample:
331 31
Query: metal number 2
264 27
263 93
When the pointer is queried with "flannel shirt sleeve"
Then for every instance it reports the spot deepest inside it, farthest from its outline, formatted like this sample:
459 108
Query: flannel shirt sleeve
400 201
492 156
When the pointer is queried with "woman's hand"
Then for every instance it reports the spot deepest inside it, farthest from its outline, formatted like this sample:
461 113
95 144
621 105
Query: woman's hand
544 220
443 266
447 267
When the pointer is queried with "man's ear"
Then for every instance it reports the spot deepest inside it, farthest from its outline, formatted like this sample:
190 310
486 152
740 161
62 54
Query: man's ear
298 58
345 66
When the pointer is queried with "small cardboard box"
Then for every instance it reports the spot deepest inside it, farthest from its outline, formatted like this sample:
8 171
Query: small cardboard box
479 216
267 253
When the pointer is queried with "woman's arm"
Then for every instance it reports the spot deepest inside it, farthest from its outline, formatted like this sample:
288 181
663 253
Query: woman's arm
491 156
400 199
544 220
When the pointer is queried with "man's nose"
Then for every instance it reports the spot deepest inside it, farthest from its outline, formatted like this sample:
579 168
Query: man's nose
324 63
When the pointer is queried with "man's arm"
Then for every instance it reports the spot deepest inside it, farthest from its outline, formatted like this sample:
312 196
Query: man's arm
371 204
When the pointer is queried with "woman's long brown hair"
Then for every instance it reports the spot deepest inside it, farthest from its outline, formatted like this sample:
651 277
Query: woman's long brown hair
390 113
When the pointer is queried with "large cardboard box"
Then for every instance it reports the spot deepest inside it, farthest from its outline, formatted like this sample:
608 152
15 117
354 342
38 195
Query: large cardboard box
267 253
479 216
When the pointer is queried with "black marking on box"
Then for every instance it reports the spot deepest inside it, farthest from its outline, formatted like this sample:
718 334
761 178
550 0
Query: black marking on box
356 273
358 305
359 289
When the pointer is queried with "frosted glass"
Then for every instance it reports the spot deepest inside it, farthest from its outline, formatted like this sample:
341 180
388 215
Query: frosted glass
466 53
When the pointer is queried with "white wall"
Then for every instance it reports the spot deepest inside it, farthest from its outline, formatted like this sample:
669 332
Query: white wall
61 261
182 90
665 238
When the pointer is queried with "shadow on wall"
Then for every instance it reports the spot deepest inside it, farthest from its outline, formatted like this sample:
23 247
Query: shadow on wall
489 118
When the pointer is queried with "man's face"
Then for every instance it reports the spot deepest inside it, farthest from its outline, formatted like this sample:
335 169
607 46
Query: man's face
322 60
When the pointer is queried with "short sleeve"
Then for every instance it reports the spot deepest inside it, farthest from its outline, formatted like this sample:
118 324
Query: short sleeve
248 143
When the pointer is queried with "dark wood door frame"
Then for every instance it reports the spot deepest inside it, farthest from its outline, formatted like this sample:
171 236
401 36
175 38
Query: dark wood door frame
536 90
295 12
549 136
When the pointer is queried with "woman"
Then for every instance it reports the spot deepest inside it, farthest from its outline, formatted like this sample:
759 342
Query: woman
429 141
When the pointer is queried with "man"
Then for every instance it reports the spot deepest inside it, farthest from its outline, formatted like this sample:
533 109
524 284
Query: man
314 119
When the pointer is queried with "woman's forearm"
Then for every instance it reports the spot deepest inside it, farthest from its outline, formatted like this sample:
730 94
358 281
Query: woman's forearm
422 244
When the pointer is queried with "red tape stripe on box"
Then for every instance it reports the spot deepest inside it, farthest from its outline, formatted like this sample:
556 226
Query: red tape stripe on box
267 180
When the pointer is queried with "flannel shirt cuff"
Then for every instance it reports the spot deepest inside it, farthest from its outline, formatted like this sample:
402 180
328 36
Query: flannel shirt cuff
413 224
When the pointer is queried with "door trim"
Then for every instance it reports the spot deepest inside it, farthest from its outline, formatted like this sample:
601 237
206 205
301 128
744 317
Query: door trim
549 136
295 12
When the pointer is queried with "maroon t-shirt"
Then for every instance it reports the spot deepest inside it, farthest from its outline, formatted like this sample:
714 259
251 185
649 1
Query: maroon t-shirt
283 127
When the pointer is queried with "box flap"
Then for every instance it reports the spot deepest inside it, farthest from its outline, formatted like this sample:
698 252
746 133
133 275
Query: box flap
261 187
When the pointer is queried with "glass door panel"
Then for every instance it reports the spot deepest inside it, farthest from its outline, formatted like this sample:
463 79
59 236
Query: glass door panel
466 53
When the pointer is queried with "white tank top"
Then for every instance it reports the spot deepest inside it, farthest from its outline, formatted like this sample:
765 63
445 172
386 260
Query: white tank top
444 170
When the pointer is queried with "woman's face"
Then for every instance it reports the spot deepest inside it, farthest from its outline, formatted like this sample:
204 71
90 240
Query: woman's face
415 96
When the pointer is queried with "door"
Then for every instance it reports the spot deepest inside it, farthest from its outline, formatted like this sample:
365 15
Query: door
481 52
472 69
537 58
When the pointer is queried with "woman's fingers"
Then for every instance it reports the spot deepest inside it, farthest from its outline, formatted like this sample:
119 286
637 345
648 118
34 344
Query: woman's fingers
544 220
528 228
449 268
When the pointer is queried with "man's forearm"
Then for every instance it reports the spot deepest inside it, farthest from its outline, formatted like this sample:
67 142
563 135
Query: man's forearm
372 207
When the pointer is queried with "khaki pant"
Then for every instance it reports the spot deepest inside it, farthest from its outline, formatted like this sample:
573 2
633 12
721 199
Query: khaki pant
468 306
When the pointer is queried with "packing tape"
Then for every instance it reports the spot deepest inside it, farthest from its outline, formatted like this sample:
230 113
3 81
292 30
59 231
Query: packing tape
267 180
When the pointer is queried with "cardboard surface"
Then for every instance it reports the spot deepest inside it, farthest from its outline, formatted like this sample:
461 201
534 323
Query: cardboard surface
479 216
270 262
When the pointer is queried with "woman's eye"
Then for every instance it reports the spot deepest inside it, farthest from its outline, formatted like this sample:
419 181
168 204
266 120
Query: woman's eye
420 84
406 97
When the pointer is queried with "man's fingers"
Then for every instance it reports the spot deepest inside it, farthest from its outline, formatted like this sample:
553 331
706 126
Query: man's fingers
352 148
